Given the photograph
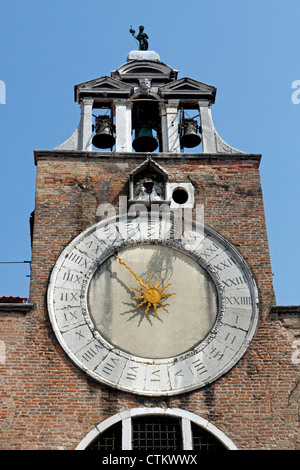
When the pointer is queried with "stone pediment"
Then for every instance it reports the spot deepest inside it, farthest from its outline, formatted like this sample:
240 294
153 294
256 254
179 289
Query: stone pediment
103 87
147 183
149 166
136 69
188 88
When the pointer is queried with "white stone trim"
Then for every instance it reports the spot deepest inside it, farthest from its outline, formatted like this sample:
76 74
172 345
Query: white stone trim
123 111
186 417
172 126
188 187
187 434
211 140
164 126
126 433
143 55
87 124
81 139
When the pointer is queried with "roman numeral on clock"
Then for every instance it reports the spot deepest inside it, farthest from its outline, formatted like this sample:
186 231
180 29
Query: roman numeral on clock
200 368
132 373
235 300
72 277
155 376
78 259
91 352
236 281
69 296
109 366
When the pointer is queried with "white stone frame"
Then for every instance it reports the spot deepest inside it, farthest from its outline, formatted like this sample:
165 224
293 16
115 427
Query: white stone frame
207 361
188 187
186 419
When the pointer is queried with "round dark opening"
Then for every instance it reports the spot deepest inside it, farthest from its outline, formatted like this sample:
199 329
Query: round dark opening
180 196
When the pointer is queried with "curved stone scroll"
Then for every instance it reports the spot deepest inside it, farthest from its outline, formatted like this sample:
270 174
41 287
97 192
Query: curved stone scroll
211 140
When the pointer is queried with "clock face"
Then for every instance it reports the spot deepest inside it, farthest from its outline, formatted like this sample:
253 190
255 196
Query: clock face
191 310
144 312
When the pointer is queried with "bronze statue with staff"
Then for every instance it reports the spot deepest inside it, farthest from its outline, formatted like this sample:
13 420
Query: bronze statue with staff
142 38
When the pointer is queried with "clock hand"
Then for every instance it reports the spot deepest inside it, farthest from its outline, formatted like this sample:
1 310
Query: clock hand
121 261
151 295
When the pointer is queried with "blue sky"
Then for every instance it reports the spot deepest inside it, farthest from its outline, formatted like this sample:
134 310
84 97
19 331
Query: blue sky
247 50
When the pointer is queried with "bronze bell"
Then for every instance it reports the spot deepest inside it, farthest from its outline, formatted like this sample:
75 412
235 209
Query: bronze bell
103 139
144 140
190 138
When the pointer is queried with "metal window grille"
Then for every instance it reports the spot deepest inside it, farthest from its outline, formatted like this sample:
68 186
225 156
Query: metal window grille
156 432
110 439
203 440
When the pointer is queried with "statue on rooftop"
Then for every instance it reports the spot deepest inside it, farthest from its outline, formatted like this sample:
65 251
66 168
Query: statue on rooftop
142 38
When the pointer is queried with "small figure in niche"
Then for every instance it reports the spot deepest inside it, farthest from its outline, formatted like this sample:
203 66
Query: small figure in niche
149 190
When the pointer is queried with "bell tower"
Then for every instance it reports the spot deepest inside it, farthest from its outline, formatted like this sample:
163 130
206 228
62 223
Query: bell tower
144 107
152 321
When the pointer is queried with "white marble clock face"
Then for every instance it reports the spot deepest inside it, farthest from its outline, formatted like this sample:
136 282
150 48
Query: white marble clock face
210 318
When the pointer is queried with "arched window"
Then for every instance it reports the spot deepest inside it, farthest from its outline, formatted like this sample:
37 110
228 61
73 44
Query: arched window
156 429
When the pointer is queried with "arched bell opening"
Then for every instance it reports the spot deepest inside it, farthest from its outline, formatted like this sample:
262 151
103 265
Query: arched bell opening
103 127
146 125
189 128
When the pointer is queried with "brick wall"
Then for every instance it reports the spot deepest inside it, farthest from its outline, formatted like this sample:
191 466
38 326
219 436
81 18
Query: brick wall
50 403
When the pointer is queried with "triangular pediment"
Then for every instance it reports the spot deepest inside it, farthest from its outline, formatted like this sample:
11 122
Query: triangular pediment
103 87
149 166
186 87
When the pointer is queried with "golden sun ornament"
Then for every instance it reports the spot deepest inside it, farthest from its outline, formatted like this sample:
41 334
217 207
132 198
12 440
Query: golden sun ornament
151 295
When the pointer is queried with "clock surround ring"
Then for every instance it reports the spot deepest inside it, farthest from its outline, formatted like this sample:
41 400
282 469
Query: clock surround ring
175 375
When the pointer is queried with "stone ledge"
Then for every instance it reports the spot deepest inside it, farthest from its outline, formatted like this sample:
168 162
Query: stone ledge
15 307
143 55
44 154
285 309
289 315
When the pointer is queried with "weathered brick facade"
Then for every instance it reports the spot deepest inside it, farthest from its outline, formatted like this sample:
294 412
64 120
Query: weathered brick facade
49 403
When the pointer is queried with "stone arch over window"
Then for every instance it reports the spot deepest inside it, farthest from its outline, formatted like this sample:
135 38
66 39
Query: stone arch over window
158 429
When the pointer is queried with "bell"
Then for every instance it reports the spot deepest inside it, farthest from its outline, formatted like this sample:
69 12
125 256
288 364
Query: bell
190 138
144 140
103 139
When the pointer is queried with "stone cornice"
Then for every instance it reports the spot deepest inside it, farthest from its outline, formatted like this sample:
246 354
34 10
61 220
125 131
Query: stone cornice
288 315
56 154
16 307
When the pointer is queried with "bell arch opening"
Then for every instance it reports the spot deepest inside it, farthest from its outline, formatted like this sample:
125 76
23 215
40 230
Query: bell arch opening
146 124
